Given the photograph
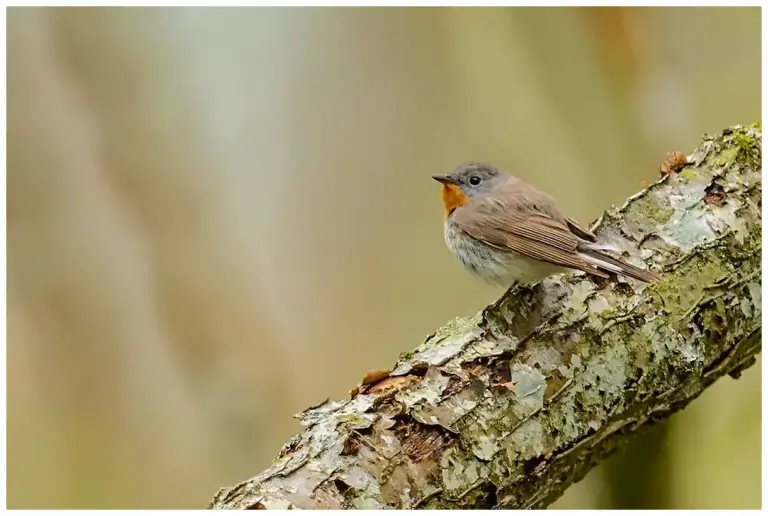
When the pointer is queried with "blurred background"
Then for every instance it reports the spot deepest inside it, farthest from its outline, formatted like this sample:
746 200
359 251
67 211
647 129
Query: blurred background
217 217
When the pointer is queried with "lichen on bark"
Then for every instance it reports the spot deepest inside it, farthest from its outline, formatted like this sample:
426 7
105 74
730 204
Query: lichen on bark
508 408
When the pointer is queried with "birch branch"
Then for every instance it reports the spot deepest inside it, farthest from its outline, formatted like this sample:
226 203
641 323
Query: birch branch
510 407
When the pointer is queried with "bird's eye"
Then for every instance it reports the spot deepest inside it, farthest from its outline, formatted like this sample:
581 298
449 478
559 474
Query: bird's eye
474 180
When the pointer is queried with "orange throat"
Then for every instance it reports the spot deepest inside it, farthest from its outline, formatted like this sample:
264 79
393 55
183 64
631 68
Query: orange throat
453 197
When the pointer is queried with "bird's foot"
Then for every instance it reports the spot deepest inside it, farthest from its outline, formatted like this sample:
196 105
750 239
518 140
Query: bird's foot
512 287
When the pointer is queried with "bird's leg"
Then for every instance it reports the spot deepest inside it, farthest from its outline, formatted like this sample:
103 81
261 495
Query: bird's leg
510 289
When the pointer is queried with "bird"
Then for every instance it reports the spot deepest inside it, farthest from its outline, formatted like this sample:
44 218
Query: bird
507 232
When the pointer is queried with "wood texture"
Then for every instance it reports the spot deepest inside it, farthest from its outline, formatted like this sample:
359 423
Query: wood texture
510 407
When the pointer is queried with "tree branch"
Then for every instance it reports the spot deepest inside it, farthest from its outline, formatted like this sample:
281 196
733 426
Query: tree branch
509 408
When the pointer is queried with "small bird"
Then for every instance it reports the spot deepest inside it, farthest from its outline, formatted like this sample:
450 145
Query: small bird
508 232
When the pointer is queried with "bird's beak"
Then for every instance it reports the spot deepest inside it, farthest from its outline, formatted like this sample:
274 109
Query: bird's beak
444 180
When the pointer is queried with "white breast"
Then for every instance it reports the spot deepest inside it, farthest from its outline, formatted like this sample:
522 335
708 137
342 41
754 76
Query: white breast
494 265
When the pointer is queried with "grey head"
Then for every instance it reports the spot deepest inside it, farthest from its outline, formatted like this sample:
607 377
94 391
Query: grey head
474 178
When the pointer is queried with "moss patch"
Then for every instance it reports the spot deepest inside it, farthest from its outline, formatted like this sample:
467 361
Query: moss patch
739 146
649 208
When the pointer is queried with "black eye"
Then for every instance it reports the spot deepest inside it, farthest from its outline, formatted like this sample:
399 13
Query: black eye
474 180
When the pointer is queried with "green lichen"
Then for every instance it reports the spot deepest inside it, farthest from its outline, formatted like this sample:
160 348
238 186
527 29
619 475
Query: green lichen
744 141
689 173
682 289
649 209
460 472
355 421
739 147
726 157
454 328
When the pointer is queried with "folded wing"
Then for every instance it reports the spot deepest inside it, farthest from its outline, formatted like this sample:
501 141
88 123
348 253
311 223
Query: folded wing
538 235
542 233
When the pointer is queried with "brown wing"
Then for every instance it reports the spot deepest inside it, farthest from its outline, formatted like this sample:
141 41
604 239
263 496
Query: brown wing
528 232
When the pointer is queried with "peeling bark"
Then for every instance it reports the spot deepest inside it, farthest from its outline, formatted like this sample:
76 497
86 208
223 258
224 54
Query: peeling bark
510 407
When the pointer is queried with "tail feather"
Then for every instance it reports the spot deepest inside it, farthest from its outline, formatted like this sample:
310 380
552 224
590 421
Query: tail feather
607 263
